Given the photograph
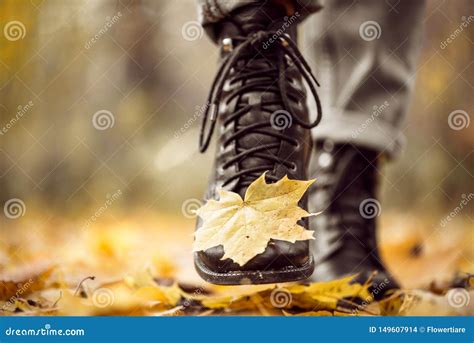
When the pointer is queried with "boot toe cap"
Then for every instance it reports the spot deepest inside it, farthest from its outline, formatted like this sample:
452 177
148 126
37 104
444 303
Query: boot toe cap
277 256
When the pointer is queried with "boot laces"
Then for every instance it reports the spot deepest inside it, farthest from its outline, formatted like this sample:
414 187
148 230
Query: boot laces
237 66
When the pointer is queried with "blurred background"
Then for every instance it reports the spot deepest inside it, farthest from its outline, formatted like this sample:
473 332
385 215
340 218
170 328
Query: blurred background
100 108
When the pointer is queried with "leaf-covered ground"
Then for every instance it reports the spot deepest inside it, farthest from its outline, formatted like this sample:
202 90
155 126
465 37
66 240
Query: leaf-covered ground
142 265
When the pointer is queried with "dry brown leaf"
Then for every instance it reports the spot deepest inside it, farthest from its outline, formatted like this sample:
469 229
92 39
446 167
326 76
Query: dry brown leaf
27 284
245 226
8 289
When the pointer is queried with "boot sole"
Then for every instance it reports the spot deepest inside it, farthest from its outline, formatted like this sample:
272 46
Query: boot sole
254 277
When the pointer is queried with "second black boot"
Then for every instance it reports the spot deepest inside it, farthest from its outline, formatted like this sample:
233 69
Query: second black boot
257 105
345 231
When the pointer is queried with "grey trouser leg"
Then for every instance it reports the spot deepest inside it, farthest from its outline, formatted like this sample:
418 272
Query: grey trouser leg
364 54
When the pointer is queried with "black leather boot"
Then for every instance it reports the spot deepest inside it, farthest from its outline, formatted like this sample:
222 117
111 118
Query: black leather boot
258 104
345 232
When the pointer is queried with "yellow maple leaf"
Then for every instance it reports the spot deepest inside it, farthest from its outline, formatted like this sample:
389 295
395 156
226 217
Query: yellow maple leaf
245 226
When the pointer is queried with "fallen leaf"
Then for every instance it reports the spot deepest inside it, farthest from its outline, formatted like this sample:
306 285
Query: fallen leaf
148 273
327 294
245 226
309 314
320 296
11 290
420 303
